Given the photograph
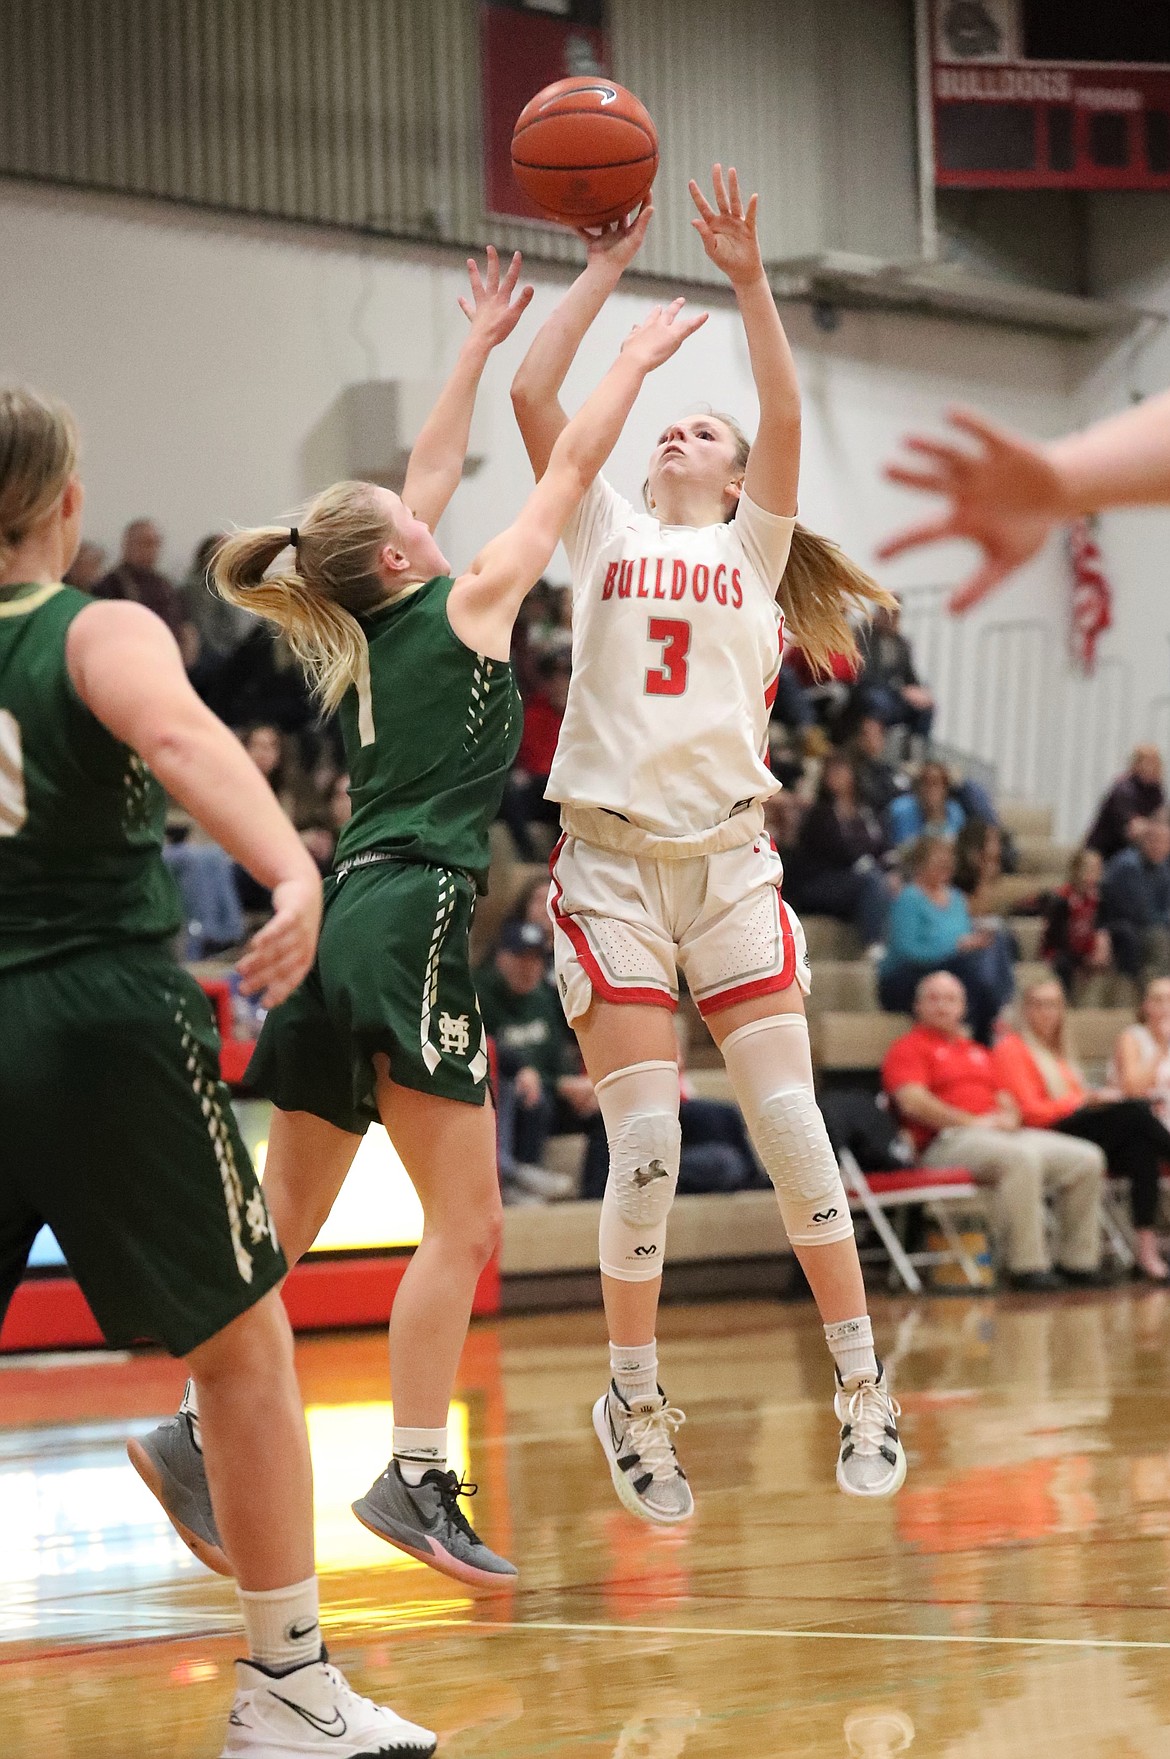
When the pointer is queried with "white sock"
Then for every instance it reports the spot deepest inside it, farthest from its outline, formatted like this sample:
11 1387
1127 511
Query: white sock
418 1451
851 1341
189 1406
283 1625
635 1369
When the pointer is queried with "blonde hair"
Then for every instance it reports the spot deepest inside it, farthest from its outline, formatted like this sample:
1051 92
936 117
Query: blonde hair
820 586
1066 1048
316 600
38 451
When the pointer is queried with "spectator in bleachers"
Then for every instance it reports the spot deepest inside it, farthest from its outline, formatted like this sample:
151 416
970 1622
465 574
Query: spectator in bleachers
137 575
1037 1066
879 782
1135 901
524 803
532 907
1141 1056
1075 944
539 1091
262 681
951 1098
1133 799
929 810
87 567
834 869
889 686
930 929
978 866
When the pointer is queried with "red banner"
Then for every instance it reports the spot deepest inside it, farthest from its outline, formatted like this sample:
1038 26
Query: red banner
521 51
1091 601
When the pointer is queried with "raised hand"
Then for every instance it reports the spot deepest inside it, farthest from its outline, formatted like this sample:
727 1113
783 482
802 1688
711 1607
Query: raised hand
1004 496
728 230
662 334
491 310
616 245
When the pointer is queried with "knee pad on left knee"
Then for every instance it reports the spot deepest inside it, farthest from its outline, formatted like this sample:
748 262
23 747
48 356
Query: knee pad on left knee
645 1147
770 1065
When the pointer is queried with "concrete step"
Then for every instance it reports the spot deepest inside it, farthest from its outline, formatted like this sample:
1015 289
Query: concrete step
844 1041
844 986
562 1237
829 939
1040 855
1024 818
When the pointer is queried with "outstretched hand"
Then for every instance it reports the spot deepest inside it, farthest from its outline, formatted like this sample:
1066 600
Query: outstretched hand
728 231
617 244
280 956
1004 496
491 310
662 334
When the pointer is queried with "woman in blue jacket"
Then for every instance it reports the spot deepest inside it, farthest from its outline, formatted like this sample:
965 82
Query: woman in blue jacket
931 930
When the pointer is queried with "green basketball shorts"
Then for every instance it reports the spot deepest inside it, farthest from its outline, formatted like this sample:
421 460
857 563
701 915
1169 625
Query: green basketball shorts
393 975
118 1133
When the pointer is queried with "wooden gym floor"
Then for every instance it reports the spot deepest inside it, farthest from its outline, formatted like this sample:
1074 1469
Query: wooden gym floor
1011 1603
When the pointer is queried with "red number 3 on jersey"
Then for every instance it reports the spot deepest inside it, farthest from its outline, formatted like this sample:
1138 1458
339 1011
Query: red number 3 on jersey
669 679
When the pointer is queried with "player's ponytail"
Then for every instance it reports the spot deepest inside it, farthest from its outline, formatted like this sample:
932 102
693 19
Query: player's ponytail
821 586
38 451
329 581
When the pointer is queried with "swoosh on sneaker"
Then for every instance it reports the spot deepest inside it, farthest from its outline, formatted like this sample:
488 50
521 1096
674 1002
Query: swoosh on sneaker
335 1728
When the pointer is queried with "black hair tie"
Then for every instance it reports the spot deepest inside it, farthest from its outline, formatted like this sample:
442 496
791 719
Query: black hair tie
294 536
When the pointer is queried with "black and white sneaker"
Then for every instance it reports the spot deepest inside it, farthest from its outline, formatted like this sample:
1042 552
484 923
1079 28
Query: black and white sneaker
637 1439
426 1522
315 1710
871 1461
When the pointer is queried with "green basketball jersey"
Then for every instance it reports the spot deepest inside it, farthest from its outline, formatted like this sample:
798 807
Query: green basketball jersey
81 817
430 736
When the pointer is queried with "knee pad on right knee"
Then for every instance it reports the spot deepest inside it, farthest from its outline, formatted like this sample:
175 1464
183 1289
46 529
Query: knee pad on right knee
640 1107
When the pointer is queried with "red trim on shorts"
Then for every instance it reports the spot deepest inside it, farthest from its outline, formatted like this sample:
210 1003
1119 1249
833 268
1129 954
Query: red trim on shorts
647 996
761 986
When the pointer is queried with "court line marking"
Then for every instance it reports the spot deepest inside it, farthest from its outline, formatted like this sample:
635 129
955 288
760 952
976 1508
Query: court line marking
636 1630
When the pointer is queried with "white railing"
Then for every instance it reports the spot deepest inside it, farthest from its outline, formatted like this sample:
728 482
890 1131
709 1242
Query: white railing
1008 693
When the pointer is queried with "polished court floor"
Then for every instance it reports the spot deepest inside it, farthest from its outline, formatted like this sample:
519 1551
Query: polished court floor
1011 1603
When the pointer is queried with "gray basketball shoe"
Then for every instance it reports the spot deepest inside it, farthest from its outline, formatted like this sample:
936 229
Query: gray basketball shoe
871 1461
426 1522
637 1441
171 1467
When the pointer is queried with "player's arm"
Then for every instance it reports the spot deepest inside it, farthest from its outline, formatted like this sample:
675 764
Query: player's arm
921 1106
536 387
484 601
125 666
436 462
729 236
1006 493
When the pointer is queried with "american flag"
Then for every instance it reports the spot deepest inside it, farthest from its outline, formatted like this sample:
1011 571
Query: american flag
1091 601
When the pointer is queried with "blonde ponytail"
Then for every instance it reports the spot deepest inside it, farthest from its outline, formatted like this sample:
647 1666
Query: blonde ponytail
819 588
820 585
332 581
38 452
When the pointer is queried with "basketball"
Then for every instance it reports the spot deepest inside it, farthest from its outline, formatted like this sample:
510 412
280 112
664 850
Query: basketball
585 151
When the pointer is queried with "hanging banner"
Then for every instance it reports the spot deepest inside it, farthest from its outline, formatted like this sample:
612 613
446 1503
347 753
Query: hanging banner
1091 596
522 49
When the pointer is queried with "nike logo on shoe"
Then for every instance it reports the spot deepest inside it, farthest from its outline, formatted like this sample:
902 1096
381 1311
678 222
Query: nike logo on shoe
335 1728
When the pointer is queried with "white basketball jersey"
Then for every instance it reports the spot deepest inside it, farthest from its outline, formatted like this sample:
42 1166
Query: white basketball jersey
676 651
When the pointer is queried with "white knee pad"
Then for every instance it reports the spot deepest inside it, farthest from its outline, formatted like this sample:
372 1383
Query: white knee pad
770 1065
640 1108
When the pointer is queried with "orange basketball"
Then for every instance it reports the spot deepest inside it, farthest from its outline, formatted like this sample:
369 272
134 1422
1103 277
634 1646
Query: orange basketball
585 151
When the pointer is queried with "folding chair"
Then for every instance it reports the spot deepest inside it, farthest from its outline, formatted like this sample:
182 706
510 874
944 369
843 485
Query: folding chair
930 1188
1115 1221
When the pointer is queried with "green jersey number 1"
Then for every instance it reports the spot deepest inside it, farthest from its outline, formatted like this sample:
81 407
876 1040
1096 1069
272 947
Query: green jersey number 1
13 803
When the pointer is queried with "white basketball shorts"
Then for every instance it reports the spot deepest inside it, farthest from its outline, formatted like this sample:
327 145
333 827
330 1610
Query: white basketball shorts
625 925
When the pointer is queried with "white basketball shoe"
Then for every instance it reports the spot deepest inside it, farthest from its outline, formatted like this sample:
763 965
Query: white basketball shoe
314 1710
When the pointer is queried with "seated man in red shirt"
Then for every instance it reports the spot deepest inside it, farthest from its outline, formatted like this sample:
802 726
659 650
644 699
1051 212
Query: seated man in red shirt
946 1091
